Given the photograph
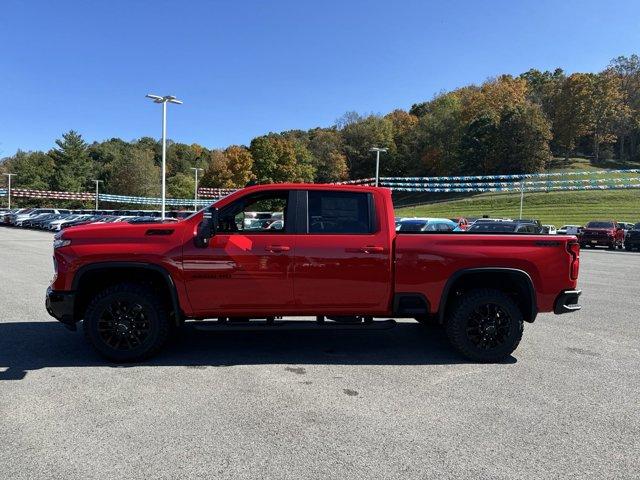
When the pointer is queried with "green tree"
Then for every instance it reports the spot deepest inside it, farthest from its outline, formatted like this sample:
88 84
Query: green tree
32 169
606 109
522 141
476 141
571 119
436 137
135 174
181 185
73 167
360 134
326 146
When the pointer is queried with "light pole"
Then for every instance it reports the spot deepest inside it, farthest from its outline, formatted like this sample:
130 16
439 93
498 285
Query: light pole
9 175
377 150
163 101
195 196
97 183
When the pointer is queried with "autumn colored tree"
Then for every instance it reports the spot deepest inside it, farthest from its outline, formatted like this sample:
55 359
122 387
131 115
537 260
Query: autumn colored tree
230 168
278 159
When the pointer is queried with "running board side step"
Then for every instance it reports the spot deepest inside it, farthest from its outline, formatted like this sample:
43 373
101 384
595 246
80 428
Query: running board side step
290 325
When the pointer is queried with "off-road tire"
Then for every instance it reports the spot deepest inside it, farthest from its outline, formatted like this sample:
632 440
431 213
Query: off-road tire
460 319
154 313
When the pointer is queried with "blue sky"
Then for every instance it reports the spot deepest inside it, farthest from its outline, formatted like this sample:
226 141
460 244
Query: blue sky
244 68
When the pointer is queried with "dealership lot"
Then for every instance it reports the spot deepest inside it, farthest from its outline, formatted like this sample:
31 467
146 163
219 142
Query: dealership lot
389 404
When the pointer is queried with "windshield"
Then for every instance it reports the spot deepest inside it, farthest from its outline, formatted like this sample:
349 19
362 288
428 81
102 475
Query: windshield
600 225
636 226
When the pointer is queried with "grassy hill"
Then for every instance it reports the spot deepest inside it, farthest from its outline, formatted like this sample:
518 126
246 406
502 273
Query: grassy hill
556 208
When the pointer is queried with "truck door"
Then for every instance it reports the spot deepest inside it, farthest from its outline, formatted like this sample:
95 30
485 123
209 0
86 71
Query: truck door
248 265
343 261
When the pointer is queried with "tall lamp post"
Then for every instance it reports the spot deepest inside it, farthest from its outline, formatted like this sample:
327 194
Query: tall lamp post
164 100
97 193
9 175
377 150
195 195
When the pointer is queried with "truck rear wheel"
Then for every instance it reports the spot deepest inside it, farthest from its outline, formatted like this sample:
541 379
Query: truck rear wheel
485 325
126 322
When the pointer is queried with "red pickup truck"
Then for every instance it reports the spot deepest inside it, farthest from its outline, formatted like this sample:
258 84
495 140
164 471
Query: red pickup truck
332 252
606 233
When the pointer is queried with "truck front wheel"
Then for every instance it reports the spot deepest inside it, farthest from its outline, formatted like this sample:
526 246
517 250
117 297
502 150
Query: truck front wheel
485 325
126 322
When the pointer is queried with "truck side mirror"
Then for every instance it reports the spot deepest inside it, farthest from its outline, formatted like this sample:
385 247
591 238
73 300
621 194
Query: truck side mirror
207 227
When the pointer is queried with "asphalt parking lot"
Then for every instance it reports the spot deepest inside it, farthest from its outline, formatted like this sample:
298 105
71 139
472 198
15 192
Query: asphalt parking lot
375 405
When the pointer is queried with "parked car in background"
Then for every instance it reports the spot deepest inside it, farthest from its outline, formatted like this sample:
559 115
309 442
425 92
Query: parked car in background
569 230
603 233
632 238
427 225
549 229
21 217
626 226
505 226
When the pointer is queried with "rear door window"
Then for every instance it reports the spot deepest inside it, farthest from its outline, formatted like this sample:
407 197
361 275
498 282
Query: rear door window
339 212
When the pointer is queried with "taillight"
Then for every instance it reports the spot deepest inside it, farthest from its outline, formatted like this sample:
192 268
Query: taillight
574 250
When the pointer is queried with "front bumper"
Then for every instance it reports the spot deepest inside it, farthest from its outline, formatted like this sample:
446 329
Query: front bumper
567 302
600 241
60 306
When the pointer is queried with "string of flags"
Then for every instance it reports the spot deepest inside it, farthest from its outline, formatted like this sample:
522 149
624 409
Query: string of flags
532 182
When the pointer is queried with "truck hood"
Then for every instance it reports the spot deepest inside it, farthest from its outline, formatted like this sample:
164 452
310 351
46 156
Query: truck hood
120 232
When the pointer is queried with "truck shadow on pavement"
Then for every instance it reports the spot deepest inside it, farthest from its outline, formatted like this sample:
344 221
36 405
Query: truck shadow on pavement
26 346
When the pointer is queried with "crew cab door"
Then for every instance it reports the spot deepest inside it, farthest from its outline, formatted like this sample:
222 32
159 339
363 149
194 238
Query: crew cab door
343 256
248 265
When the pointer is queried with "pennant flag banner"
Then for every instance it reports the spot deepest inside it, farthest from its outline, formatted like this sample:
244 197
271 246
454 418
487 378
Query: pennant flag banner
174 202
510 177
215 192
28 193
533 182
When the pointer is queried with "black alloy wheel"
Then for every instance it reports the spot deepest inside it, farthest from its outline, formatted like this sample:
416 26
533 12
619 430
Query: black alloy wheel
123 324
488 326
485 325
127 322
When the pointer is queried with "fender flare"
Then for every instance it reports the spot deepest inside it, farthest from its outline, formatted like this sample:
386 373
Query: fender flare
140 265
471 271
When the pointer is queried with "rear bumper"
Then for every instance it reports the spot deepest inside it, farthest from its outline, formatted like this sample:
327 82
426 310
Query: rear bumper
60 306
567 302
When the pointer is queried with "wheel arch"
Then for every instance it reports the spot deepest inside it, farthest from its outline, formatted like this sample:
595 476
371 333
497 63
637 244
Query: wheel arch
95 276
510 280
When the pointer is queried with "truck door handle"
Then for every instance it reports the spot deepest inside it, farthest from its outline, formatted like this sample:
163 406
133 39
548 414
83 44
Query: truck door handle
371 249
277 248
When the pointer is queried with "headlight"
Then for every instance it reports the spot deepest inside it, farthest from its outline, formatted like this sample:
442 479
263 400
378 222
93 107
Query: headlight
60 242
